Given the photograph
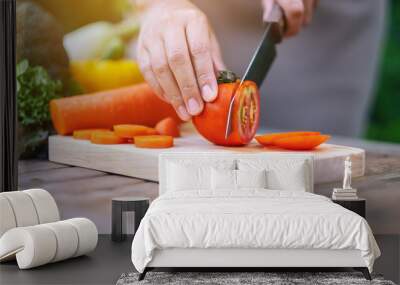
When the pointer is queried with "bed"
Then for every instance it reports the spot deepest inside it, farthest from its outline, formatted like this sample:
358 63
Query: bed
246 210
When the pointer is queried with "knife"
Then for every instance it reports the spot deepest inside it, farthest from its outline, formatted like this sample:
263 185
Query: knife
263 57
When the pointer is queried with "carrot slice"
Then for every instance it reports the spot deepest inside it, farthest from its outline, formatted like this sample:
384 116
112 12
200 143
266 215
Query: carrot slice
168 127
269 139
106 137
86 134
131 131
154 141
306 142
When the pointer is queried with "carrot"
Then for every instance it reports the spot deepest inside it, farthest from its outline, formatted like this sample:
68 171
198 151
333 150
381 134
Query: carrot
131 131
305 142
269 139
154 141
168 127
136 104
106 137
85 134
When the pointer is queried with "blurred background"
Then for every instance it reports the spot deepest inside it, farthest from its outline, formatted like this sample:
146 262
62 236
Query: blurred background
384 120
63 50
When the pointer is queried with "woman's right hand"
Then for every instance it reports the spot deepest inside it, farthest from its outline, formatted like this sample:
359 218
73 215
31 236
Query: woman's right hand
179 55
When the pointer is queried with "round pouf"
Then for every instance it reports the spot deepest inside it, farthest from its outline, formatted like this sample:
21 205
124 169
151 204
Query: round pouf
127 212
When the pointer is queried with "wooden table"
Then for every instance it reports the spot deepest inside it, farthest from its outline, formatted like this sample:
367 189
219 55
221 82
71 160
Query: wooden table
85 192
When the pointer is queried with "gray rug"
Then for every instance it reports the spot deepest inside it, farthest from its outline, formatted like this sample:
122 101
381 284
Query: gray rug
269 278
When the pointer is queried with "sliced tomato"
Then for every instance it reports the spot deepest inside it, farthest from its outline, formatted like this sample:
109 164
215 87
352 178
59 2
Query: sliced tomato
130 131
156 141
307 142
106 137
211 122
85 134
269 139
168 127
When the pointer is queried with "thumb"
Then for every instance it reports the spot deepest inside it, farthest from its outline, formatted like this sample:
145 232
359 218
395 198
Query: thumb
267 8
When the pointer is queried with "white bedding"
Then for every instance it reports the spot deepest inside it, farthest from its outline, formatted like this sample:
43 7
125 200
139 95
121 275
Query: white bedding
250 219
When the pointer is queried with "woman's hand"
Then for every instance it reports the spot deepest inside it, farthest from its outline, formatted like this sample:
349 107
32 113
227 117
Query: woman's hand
297 12
179 55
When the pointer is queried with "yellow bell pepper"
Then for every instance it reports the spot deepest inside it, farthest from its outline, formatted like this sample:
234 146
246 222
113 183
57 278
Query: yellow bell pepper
98 75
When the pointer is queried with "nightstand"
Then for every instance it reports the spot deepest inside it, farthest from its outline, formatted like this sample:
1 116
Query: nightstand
127 212
358 206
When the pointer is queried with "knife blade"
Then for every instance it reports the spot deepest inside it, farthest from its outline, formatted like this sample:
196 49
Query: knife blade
263 57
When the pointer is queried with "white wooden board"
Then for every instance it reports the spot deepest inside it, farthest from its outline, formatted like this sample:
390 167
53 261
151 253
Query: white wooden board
143 163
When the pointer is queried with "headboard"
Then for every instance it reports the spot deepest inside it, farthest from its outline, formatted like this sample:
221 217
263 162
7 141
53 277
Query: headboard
278 161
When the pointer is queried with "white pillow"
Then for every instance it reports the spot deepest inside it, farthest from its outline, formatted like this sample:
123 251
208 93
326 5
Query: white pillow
251 178
184 174
282 174
226 179
223 179
184 177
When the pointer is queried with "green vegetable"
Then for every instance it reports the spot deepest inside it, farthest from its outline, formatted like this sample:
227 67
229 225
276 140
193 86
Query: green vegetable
35 88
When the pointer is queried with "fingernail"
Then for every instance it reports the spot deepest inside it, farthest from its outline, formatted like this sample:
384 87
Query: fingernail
183 114
194 107
208 94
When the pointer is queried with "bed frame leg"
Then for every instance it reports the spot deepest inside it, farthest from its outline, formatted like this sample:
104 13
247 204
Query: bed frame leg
364 271
143 274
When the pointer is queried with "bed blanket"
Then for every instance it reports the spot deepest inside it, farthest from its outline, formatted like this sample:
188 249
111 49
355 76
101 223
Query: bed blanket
250 219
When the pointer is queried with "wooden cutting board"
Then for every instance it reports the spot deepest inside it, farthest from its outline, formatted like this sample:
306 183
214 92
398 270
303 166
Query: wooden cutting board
143 163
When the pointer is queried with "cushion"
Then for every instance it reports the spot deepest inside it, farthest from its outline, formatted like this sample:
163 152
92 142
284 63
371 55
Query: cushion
189 175
27 208
251 178
223 179
181 177
227 179
40 244
289 174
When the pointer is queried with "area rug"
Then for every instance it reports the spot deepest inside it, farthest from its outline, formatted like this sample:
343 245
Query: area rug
244 278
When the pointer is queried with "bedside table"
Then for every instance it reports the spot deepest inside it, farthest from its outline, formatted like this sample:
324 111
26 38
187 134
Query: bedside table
127 212
357 206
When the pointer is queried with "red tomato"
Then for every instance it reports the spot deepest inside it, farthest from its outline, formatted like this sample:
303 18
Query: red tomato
211 122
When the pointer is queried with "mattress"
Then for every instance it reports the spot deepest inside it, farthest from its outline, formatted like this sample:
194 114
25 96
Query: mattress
250 219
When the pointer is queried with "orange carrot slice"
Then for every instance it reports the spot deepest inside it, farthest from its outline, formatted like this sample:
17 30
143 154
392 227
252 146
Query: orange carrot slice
168 127
106 137
85 134
306 142
131 131
154 141
269 139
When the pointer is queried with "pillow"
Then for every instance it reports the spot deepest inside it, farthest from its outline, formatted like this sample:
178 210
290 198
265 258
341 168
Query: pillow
226 179
289 174
251 178
184 177
223 179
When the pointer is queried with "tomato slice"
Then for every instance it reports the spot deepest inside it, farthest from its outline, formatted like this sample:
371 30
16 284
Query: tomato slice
156 141
106 137
211 122
130 131
85 134
305 142
269 139
168 127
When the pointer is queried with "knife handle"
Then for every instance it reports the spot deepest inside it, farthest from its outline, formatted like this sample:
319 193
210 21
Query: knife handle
278 22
